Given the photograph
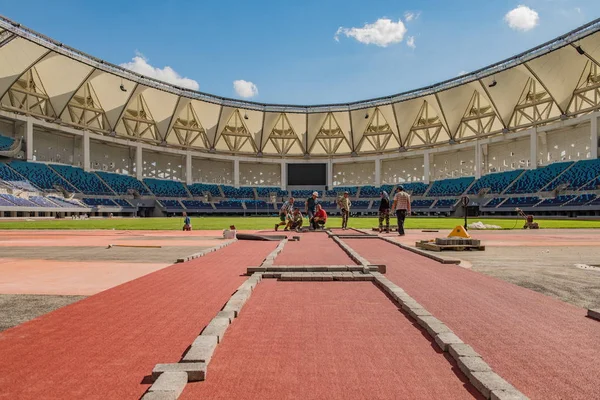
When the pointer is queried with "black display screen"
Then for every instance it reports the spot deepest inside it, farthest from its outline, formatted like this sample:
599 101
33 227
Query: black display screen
307 174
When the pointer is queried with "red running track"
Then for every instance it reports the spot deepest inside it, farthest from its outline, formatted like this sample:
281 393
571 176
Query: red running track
326 340
103 346
546 348
314 248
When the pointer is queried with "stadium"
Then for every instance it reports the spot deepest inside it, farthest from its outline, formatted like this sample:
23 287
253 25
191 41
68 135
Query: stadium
139 310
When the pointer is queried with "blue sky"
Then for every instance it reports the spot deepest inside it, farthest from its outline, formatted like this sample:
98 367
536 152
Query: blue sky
287 49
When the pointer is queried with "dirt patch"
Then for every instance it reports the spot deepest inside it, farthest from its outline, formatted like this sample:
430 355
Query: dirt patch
122 254
18 308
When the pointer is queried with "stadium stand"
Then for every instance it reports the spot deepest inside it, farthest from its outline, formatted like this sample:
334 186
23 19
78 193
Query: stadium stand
339 190
85 182
5 203
330 205
198 189
6 142
415 188
123 203
19 201
258 205
496 182
303 194
582 199
390 189
529 201
231 192
41 175
494 202
265 192
369 192
65 203
172 204
166 188
533 180
421 203
577 176
360 205
595 202
449 187
556 201
196 205
42 202
445 203
9 176
95 202
121 184
229 205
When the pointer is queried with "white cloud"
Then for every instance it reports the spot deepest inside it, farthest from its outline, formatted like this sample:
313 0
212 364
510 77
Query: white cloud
522 18
382 32
411 16
245 89
140 64
410 42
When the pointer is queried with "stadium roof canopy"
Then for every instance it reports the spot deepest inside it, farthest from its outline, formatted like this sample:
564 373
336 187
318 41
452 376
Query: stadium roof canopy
51 81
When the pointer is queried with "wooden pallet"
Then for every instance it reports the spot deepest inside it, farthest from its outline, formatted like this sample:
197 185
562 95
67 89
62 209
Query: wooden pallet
436 247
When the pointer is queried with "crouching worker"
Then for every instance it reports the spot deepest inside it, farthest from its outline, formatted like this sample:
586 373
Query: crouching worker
320 218
284 213
187 222
296 220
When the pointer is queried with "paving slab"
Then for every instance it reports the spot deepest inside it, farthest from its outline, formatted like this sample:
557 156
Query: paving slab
202 349
507 395
486 382
194 371
595 314
173 382
445 339
468 365
160 396
457 350
216 327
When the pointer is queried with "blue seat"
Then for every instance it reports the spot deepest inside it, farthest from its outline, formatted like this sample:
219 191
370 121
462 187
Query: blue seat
360 205
95 202
450 187
196 205
445 203
171 204
123 203
6 142
528 201
303 194
238 193
582 199
85 182
40 175
18 201
166 188
534 180
121 184
496 182
229 205
198 189
258 205
415 188
43 202
367 192
557 201
494 202
583 172
265 192
10 177
65 203
421 203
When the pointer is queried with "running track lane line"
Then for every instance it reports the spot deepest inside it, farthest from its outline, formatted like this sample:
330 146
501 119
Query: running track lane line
103 346
327 340
544 347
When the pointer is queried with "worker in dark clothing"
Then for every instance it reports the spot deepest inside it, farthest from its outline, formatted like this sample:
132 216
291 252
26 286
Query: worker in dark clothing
384 212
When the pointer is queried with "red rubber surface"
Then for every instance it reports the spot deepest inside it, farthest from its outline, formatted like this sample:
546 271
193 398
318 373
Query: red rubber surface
103 346
313 249
326 340
544 347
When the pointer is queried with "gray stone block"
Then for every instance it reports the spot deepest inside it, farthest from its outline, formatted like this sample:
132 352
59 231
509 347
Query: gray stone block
235 306
216 327
435 329
426 319
194 371
381 268
595 314
446 339
457 350
229 314
410 303
160 396
486 382
251 270
242 295
337 268
418 312
327 277
508 395
468 365
201 350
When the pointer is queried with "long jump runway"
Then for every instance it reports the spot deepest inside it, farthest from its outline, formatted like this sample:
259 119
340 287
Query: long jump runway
548 349
326 340
103 346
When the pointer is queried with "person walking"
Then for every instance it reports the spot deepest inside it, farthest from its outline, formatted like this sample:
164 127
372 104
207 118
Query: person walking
345 204
310 206
384 212
402 207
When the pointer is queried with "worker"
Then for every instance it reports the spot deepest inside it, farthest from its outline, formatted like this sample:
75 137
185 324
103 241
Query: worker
402 207
384 212
187 222
296 220
319 219
311 204
344 203
284 212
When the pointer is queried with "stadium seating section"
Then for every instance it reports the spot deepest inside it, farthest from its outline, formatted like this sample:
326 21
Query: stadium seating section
303 194
18 201
445 203
367 192
65 203
121 184
556 201
198 190
533 180
521 202
43 202
6 142
497 182
171 204
494 202
421 203
166 188
415 188
449 187
583 172
360 204
229 205
258 205
95 202
41 175
123 203
196 205
582 199
85 182
9 176
238 193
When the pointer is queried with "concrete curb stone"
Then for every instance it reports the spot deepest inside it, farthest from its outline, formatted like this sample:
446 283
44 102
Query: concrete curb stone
172 382
445 339
194 371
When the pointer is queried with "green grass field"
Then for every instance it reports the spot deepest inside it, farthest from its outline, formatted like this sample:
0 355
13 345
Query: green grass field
219 223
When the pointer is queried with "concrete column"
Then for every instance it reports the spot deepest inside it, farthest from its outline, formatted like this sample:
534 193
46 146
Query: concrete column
477 169
86 150
594 137
236 173
426 163
533 148
188 169
377 173
29 138
283 175
330 174
139 162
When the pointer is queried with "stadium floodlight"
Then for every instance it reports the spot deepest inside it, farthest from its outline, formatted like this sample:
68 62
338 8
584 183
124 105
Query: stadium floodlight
123 88
494 83
580 50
